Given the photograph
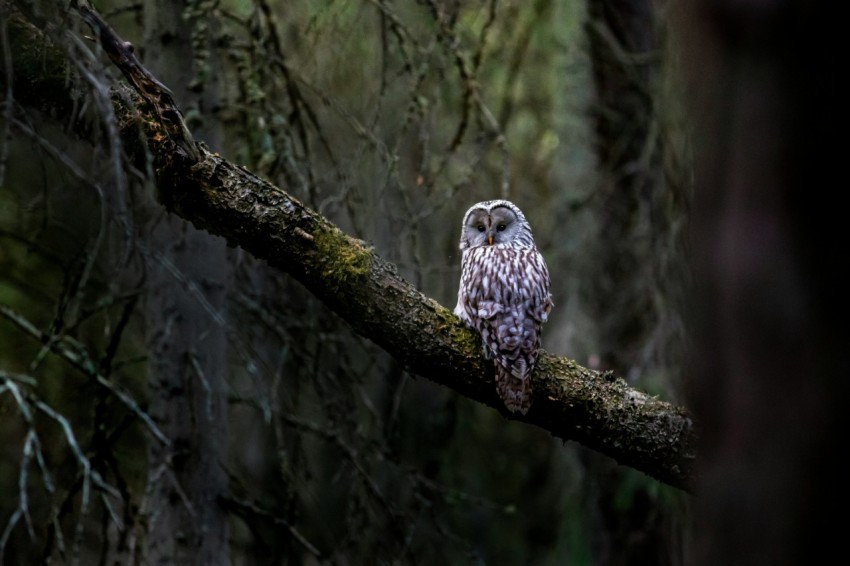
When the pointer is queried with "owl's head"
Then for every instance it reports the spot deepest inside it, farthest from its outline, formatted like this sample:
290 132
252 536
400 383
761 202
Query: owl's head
493 223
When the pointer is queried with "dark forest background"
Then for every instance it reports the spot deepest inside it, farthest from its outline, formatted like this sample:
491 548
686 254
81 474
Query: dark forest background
667 157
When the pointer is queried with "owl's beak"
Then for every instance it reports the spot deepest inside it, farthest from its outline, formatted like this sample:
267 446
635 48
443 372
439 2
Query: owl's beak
490 239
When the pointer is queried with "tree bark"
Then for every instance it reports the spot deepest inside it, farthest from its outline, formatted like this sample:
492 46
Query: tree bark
772 375
187 287
596 409
622 40
631 285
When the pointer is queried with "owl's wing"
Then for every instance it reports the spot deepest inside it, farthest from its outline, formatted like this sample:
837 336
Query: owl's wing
518 327
538 280
541 307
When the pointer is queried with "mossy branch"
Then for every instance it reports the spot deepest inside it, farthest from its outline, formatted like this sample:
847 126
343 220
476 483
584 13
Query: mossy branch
571 402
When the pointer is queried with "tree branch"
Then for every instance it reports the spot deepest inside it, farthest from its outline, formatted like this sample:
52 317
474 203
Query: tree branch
571 402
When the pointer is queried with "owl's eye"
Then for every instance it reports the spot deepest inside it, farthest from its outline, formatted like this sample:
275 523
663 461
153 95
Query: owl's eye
501 227
481 228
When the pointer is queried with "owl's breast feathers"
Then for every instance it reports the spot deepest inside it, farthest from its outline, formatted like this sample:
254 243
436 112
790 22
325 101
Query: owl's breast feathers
501 279
508 300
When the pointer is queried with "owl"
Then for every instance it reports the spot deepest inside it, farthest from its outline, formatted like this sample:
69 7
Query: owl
504 294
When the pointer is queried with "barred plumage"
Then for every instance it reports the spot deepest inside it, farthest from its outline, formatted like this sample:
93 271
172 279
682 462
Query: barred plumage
504 294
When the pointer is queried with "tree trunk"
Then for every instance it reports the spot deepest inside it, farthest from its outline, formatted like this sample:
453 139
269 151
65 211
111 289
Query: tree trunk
189 273
771 378
623 48
626 277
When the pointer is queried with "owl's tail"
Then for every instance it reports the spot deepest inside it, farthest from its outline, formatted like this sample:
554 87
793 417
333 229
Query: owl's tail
513 384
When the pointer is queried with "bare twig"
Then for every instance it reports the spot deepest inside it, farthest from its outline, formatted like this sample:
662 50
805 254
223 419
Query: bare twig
75 353
153 91
247 508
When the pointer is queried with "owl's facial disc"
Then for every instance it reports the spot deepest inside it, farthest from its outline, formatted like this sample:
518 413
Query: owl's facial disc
498 221
488 227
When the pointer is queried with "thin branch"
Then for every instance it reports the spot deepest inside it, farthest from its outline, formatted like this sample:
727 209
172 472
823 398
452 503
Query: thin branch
246 508
75 353
122 55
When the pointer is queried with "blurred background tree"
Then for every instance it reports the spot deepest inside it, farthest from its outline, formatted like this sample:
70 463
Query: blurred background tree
291 439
